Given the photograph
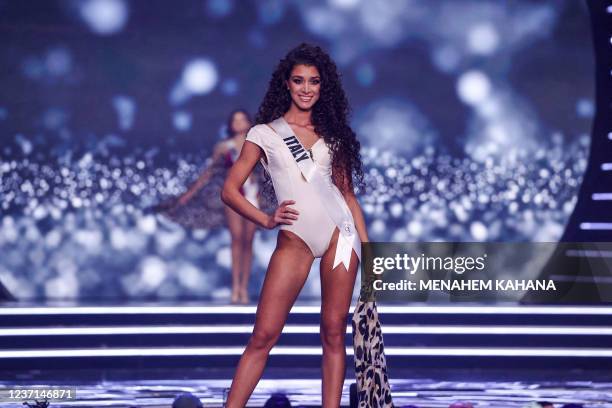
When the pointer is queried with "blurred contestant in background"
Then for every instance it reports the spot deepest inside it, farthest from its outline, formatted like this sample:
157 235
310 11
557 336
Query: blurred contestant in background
201 207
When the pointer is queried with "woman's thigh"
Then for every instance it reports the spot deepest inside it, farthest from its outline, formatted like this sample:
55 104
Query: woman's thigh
336 284
286 274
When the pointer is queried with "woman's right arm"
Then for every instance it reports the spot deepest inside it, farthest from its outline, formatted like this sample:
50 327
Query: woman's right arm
237 175
218 152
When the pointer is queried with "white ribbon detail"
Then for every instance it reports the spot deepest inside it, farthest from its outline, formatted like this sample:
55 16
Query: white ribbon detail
332 201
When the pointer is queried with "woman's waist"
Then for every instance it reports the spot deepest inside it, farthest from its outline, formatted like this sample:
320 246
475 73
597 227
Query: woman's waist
312 205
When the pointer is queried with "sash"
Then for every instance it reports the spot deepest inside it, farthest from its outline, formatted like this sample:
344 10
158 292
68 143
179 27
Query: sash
334 205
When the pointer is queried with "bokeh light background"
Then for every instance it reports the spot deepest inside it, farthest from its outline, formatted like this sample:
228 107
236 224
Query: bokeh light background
474 118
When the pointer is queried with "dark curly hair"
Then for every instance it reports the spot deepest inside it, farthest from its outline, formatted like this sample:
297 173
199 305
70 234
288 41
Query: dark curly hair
329 114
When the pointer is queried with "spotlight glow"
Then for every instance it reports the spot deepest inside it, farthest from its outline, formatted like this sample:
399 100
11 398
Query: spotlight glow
200 76
473 87
182 121
483 39
104 17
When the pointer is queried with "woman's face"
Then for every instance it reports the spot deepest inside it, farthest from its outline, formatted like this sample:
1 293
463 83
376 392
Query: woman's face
304 86
240 123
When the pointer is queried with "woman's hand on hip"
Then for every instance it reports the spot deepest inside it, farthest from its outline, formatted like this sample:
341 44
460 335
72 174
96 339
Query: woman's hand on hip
283 214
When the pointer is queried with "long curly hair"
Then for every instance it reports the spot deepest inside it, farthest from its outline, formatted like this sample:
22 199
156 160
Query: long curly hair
329 114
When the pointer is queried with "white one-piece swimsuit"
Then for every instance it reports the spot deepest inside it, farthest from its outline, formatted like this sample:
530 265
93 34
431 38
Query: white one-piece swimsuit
314 226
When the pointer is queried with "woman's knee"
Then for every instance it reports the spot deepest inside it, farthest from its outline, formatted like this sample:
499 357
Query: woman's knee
236 235
246 241
236 244
262 339
333 332
242 237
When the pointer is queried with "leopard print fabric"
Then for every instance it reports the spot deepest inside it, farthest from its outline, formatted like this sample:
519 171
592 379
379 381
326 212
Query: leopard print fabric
373 390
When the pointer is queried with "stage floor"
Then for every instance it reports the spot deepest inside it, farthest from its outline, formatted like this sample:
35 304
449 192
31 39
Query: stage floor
425 388
147 353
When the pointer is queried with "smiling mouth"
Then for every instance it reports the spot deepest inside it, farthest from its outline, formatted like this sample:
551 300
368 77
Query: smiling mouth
305 99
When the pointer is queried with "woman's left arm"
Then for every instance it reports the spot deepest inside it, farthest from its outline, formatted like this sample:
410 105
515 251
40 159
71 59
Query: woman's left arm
355 207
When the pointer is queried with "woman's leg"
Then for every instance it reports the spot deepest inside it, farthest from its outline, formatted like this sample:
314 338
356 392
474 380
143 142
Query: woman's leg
248 233
234 222
285 277
336 293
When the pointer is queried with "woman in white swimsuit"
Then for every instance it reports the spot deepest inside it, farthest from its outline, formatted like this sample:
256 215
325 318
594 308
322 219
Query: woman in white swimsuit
305 99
